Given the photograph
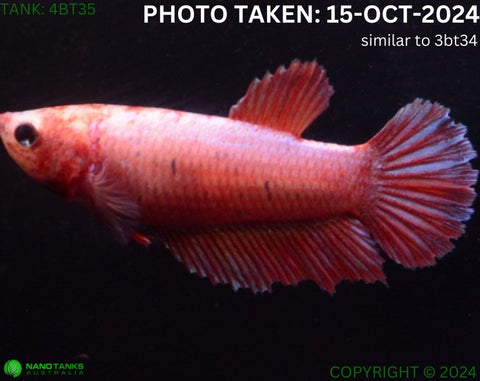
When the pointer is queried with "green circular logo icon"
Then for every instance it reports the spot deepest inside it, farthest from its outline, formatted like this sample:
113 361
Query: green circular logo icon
12 368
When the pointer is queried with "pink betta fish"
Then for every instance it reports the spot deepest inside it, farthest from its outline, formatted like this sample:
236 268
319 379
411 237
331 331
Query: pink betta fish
243 199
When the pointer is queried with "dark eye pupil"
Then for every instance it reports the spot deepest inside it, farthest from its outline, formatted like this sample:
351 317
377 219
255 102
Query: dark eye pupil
26 135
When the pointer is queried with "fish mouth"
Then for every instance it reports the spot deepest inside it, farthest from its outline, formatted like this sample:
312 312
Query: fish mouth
3 123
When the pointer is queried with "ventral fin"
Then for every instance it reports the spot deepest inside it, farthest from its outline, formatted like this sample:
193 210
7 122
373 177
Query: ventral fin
142 239
253 257
113 203
288 100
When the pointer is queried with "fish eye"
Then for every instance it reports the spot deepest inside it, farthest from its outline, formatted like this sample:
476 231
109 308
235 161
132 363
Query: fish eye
26 135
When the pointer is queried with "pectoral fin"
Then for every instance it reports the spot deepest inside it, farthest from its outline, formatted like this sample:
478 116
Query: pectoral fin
113 203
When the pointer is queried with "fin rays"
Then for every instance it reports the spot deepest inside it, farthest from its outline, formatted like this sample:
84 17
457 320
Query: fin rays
256 257
288 100
423 179
424 184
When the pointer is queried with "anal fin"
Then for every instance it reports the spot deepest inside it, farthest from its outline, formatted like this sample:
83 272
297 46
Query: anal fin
256 257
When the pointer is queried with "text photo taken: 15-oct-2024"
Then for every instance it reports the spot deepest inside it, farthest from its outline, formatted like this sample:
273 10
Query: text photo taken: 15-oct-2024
297 159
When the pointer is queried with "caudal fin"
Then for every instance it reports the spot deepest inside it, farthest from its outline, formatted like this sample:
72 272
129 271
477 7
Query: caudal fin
424 181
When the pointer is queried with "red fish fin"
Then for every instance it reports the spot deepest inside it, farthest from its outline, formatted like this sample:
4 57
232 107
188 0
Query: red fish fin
113 204
288 100
142 239
256 257
424 184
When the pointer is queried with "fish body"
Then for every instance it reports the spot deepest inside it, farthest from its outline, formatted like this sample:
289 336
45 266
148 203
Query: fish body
245 200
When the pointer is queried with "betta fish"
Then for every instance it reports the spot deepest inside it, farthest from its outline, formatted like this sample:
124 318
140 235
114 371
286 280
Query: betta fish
243 199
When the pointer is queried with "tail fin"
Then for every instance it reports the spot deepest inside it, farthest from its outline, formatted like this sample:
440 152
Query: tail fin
424 183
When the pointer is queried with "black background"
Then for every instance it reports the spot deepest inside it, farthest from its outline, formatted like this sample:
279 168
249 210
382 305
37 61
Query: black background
70 292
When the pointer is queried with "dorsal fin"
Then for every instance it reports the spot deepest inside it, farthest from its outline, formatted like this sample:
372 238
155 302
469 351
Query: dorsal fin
288 100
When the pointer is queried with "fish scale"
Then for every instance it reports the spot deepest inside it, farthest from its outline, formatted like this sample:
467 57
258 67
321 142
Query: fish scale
204 168
244 200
